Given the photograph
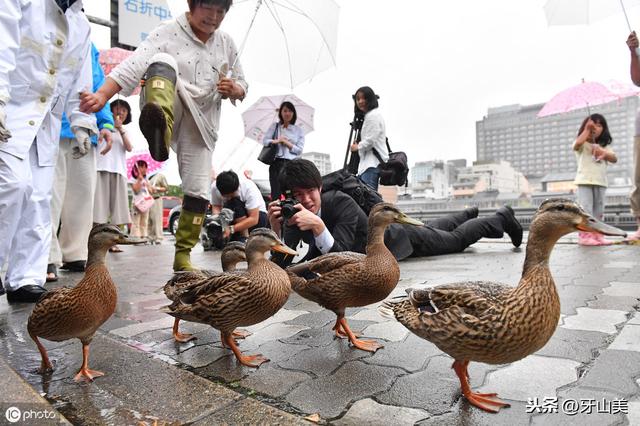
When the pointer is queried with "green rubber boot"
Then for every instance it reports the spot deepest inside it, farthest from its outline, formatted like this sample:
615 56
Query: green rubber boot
187 236
156 115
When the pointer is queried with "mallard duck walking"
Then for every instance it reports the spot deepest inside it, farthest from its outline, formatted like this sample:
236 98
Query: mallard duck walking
340 280
77 312
231 300
491 322
185 281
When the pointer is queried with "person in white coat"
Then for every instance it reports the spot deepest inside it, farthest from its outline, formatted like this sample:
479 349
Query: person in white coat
45 63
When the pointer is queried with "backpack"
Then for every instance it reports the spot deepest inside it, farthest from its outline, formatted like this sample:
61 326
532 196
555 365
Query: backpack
395 170
341 180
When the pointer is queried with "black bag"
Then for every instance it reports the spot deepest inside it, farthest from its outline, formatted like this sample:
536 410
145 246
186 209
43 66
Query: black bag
395 170
341 180
268 153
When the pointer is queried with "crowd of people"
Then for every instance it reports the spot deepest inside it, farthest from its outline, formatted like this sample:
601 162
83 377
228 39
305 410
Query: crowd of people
63 148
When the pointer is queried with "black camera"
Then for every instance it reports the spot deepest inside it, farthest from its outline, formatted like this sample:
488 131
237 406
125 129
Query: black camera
287 206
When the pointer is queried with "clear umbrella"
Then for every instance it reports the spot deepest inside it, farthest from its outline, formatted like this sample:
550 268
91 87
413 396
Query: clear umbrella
578 12
284 42
264 112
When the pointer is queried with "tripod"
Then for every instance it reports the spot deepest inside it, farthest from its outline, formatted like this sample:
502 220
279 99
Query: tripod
351 164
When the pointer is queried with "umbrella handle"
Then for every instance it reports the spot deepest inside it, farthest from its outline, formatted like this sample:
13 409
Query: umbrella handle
626 17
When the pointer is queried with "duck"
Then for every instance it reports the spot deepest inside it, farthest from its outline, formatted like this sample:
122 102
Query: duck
185 281
494 323
340 280
230 300
77 312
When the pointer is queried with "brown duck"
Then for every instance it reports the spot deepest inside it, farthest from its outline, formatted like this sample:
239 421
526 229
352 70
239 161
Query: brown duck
491 322
184 282
231 300
340 280
77 312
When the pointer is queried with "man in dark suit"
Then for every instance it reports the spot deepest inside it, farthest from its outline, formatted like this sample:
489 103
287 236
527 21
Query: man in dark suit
333 221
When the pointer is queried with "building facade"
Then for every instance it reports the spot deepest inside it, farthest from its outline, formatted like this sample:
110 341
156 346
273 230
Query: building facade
538 146
321 160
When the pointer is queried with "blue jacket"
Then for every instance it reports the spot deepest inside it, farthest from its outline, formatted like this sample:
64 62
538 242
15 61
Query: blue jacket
104 116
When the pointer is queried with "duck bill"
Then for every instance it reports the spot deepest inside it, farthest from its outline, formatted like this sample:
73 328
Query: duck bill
281 248
125 239
403 218
590 224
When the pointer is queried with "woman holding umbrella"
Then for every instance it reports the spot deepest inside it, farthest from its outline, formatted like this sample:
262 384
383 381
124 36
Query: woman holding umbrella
290 141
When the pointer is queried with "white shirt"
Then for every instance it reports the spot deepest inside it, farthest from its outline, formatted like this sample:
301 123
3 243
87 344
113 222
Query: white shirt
199 67
291 132
248 193
325 240
45 61
113 161
373 135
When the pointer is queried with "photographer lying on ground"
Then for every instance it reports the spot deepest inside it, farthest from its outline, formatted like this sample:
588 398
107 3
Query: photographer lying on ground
244 198
332 221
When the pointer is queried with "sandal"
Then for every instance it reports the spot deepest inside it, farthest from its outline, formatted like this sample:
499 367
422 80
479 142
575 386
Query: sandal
52 273
115 249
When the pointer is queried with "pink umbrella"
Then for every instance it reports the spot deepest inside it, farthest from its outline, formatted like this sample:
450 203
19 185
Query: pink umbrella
152 165
587 94
111 58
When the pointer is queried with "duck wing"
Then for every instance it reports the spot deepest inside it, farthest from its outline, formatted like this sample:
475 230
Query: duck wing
326 263
57 315
186 281
475 297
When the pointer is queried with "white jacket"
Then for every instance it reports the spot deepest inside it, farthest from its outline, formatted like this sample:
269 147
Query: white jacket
373 136
45 61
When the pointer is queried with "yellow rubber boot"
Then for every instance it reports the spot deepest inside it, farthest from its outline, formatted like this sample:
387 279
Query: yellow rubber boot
187 236
156 115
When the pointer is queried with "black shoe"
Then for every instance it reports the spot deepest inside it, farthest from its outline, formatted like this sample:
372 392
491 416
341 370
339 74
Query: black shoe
153 125
471 212
75 266
511 225
51 269
26 294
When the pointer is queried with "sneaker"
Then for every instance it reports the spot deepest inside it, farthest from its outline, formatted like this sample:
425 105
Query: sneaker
599 238
634 237
511 225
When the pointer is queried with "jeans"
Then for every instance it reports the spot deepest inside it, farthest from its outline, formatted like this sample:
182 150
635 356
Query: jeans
371 176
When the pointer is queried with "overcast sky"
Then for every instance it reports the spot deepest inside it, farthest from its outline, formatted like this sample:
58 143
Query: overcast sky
437 67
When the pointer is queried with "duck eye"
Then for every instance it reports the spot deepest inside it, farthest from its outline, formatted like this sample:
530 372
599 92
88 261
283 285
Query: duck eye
561 207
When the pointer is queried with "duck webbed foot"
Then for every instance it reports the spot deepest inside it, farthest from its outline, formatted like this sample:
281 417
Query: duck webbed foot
485 401
365 345
181 337
253 361
85 373
341 334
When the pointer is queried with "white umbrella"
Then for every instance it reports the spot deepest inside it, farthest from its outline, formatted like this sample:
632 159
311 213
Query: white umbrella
579 12
264 112
284 42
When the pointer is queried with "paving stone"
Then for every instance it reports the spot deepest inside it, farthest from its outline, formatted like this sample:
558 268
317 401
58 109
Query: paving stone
153 337
628 339
603 320
323 363
367 411
465 414
574 344
618 303
368 315
226 369
533 376
199 356
273 381
322 336
411 354
435 389
625 289
625 364
635 319
633 417
619 264
391 331
281 316
315 319
135 329
277 351
273 332
330 395
248 411
572 297
573 398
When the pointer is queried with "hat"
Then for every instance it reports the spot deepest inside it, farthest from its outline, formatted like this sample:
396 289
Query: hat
125 104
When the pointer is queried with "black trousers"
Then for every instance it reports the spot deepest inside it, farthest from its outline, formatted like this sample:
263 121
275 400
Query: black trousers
274 172
446 235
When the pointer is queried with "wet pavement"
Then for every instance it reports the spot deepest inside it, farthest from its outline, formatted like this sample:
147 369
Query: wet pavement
586 374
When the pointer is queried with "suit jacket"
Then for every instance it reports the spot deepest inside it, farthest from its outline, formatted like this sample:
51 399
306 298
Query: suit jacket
347 223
